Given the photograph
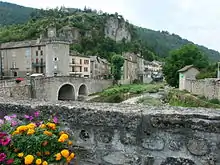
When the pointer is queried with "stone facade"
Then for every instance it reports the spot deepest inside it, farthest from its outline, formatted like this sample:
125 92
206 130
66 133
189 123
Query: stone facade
119 134
188 72
210 88
79 65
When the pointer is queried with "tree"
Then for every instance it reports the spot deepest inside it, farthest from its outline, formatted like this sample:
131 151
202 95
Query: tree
117 62
187 55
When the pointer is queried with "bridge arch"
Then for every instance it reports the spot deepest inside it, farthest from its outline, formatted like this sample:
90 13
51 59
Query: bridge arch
66 92
83 90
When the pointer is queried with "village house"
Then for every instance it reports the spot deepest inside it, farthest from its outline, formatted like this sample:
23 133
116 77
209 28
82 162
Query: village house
79 65
99 68
48 56
188 72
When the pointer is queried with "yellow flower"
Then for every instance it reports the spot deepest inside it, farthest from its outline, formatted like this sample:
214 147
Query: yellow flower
63 138
38 161
20 155
65 153
31 126
72 155
68 159
16 132
44 163
29 159
51 126
31 132
70 142
22 128
48 133
42 126
58 156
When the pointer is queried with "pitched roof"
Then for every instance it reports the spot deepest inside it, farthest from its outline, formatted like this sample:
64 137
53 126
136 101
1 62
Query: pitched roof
187 67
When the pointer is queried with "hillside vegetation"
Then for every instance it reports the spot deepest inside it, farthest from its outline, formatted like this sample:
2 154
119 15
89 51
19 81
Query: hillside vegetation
152 44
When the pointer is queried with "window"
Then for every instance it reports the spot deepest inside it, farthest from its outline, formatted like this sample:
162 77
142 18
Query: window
36 53
55 59
80 69
41 60
73 61
41 69
37 60
80 61
41 52
85 69
38 47
73 69
86 62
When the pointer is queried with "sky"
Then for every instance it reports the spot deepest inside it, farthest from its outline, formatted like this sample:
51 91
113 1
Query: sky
195 20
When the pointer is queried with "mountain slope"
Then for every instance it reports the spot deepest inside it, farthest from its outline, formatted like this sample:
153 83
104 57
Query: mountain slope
160 43
13 14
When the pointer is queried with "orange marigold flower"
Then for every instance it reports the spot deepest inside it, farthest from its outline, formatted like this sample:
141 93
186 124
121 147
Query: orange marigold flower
62 132
47 153
20 155
31 132
22 128
42 126
31 126
48 133
63 138
72 155
51 126
29 159
70 142
38 154
58 156
44 163
65 153
38 162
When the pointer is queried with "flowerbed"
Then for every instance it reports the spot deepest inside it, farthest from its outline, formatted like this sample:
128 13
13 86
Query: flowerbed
33 141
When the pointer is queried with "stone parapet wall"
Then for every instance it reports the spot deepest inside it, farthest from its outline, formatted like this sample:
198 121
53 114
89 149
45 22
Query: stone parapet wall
119 134
210 88
9 88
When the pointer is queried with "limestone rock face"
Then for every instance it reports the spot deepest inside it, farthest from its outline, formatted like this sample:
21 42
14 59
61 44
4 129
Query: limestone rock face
117 30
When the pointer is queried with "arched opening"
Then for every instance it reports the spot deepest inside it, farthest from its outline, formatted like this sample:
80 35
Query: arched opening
82 92
66 93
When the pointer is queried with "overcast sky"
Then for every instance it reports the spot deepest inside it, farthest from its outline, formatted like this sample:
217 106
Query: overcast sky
195 20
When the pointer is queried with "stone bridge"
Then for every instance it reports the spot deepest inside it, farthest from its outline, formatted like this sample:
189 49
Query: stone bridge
66 88
120 134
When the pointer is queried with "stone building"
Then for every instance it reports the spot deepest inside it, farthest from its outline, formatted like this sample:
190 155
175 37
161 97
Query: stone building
79 65
100 68
188 72
131 68
48 56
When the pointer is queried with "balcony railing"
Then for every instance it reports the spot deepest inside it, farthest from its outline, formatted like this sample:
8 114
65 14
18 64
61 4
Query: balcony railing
38 64
75 64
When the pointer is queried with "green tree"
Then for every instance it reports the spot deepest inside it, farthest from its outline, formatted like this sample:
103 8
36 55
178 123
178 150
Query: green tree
117 62
187 55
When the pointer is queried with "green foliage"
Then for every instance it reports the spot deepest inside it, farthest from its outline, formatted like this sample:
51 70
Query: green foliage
187 55
209 72
162 42
117 62
183 99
